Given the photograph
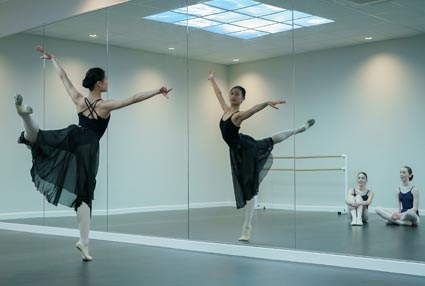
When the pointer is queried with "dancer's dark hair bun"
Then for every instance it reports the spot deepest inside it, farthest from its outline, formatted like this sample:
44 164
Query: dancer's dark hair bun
93 75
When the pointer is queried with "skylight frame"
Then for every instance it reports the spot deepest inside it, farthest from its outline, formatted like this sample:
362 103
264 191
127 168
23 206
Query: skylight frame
248 18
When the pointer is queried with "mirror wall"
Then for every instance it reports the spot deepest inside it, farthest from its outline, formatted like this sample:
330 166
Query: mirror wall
68 39
361 78
148 142
239 57
165 170
22 73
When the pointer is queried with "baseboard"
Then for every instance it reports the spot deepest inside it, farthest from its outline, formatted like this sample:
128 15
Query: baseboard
116 211
336 260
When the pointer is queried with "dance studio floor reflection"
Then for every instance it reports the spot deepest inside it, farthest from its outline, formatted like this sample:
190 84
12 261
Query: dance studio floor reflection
316 231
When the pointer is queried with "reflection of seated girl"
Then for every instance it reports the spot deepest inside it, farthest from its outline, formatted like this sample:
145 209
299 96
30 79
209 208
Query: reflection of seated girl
407 201
358 199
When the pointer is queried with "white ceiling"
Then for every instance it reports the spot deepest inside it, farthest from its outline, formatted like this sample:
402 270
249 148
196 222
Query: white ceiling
382 19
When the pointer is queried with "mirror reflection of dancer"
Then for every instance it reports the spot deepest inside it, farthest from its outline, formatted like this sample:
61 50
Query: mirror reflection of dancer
407 196
250 159
65 161
358 200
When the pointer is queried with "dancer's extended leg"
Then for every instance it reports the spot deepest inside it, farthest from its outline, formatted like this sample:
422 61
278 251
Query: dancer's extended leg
25 111
283 135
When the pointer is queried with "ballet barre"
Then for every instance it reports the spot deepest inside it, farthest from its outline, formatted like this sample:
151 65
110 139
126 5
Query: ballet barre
344 168
308 170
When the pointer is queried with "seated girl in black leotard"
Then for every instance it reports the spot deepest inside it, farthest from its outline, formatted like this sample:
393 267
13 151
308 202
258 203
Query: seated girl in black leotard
65 161
250 159
407 195
358 200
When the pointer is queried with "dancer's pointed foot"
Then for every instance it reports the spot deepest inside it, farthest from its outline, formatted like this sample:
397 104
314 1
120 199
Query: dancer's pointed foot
305 126
84 249
22 108
308 124
246 232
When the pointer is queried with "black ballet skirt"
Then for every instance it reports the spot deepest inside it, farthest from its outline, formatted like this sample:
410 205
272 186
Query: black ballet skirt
250 161
65 161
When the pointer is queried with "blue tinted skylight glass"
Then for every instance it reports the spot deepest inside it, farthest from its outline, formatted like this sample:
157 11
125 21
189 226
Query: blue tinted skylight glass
198 10
276 28
247 34
224 29
312 21
253 23
298 14
227 17
244 19
231 4
168 17
279 17
285 16
260 10
197 23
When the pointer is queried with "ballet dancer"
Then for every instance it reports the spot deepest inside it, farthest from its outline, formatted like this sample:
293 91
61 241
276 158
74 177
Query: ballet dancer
65 161
250 159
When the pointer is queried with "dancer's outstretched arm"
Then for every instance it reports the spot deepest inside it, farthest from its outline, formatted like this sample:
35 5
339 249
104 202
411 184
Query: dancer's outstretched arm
113 104
243 115
70 89
217 92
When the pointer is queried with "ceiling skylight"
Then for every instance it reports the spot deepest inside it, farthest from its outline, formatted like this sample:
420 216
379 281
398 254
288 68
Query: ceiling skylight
260 10
169 17
231 4
244 19
227 17
224 29
198 10
253 23
247 34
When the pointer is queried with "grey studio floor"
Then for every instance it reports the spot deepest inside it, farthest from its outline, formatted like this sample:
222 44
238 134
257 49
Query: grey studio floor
35 259
316 231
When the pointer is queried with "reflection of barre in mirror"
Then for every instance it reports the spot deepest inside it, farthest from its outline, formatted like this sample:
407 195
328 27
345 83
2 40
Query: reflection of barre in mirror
407 198
65 161
250 159
344 168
